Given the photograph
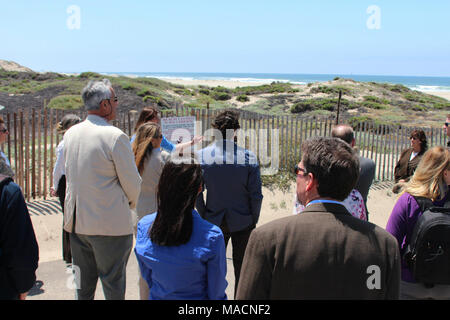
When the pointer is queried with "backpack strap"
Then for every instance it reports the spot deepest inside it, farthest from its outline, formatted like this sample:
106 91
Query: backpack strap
424 203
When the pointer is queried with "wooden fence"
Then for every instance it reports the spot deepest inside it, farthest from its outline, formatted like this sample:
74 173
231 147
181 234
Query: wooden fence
32 140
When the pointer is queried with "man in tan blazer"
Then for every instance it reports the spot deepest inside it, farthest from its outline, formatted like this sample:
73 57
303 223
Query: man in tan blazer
103 184
324 252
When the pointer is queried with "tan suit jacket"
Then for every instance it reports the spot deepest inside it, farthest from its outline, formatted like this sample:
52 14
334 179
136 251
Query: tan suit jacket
102 179
322 253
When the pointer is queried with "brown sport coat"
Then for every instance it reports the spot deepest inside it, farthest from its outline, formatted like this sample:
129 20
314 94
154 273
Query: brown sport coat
322 253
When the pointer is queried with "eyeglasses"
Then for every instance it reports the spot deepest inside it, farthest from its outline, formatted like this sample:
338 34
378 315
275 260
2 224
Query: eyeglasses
115 99
414 138
297 170
4 130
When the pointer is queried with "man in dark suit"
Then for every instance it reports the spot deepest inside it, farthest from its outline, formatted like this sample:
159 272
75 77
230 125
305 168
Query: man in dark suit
366 165
324 252
232 179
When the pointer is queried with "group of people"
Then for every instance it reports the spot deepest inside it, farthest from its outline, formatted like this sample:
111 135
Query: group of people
150 189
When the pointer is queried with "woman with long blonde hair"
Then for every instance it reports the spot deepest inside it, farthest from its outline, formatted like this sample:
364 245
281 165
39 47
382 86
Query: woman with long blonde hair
431 180
150 161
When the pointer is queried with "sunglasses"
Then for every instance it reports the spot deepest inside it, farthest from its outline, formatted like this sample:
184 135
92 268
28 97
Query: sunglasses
4 130
297 170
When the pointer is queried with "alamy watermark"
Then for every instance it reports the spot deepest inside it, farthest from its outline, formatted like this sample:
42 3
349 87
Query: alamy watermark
374 280
74 279
73 22
374 20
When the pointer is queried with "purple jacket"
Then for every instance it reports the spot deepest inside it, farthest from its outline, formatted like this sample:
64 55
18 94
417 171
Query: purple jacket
401 225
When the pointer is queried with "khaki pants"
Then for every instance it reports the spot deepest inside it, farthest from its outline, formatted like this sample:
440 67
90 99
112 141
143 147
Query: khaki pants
417 291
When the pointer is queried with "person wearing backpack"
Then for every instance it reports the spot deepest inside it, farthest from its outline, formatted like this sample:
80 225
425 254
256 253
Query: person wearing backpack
431 181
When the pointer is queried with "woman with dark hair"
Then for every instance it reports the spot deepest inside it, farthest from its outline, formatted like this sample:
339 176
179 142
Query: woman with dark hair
180 255
59 176
409 159
150 114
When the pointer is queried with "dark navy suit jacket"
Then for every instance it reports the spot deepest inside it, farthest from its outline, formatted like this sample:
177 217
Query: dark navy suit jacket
232 179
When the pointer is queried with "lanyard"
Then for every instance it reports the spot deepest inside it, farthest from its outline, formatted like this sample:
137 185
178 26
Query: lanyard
324 201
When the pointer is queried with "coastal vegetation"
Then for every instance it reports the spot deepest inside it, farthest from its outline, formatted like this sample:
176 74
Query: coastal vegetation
381 102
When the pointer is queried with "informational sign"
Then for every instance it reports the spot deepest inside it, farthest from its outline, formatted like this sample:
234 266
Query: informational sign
178 129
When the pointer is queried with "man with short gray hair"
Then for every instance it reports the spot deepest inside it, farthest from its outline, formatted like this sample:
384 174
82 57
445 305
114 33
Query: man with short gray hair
366 165
103 183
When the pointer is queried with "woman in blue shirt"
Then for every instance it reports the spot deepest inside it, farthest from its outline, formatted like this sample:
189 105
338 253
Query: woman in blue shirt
180 255
150 114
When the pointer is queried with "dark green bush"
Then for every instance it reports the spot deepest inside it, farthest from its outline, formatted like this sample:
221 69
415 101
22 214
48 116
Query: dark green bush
332 90
320 104
156 100
242 98
221 96
373 105
128 86
376 99
89 74
144 92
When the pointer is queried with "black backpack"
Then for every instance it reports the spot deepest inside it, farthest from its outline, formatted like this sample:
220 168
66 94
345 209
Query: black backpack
428 254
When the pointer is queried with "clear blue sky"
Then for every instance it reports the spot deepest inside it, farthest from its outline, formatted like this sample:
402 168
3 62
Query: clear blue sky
247 36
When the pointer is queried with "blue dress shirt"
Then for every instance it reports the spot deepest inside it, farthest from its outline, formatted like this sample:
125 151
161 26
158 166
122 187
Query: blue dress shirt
192 271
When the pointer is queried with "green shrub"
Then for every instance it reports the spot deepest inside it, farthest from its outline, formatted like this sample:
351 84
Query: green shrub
441 106
128 86
373 105
376 99
204 91
274 87
156 100
144 92
242 98
221 96
398 88
418 107
89 74
66 102
332 90
320 104
222 89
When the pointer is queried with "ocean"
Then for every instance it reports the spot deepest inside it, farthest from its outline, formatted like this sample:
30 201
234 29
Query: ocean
413 82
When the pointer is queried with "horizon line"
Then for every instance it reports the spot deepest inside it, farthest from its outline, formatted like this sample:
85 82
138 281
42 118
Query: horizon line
256 73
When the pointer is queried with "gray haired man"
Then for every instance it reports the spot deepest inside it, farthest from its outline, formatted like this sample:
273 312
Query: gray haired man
366 165
103 184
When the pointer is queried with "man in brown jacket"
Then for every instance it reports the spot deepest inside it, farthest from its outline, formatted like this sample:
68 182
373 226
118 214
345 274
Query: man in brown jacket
324 252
